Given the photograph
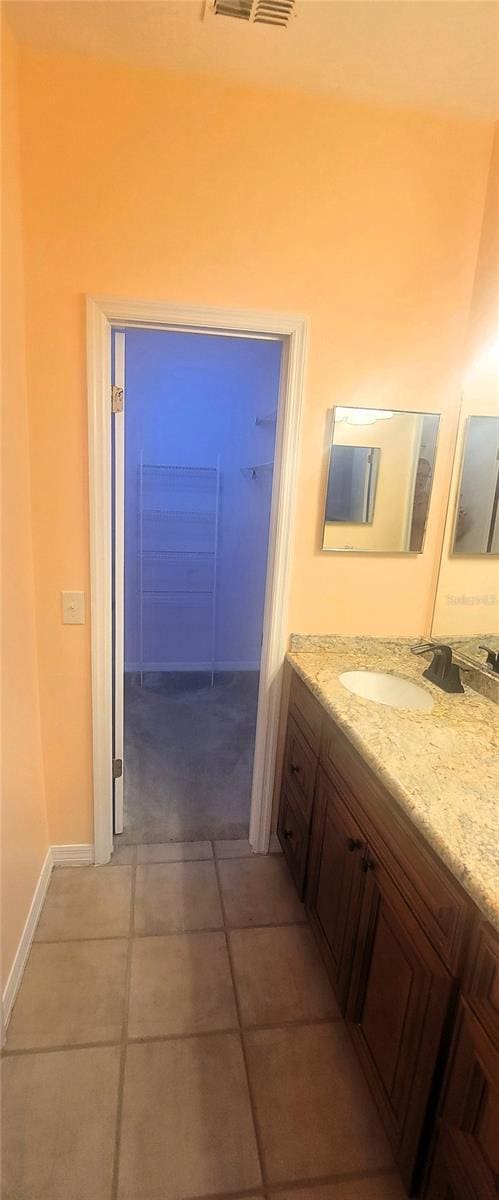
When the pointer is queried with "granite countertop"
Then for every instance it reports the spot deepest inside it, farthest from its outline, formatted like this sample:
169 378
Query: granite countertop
441 766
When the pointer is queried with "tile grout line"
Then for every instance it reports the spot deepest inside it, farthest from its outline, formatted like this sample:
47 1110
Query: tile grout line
145 1039
124 1037
308 1182
256 1127
170 933
114 937
317 1181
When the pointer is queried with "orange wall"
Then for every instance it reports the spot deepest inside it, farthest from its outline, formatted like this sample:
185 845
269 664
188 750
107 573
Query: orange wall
24 824
189 190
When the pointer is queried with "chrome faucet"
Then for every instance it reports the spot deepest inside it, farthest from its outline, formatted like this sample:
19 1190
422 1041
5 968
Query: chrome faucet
442 671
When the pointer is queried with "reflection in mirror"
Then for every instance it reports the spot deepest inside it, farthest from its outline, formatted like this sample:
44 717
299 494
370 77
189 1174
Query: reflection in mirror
466 613
380 473
477 514
482 650
352 484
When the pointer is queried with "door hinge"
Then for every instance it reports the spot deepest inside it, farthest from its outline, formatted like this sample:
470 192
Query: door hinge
117 398
117 768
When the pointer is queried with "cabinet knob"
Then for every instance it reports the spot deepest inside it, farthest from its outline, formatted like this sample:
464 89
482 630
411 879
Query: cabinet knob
287 833
294 769
353 844
367 864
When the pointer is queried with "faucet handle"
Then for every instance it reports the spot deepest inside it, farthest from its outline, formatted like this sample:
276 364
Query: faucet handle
421 647
439 649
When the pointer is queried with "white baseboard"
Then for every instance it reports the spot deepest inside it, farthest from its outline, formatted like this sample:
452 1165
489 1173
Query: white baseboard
79 855
191 666
24 947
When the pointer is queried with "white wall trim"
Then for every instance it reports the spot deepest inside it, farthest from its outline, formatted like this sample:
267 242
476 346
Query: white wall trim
21 956
102 314
78 855
99 445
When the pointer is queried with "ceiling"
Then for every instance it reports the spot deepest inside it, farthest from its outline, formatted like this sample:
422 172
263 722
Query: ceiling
436 54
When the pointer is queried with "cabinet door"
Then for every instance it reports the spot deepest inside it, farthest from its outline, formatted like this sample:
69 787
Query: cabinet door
397 1006
335 883
469 1129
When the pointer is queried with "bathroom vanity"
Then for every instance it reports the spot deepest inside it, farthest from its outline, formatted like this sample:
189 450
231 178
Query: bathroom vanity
388 822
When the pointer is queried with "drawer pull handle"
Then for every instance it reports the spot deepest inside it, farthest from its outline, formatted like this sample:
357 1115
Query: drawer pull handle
294 769
367 864
353 844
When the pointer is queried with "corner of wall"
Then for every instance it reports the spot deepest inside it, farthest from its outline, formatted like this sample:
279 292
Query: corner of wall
25 838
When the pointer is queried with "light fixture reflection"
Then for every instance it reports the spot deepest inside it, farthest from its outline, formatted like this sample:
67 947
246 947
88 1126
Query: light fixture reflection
486 361
362 416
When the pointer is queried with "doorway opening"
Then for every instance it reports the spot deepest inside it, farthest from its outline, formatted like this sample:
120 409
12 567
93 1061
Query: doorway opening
106 487
196 456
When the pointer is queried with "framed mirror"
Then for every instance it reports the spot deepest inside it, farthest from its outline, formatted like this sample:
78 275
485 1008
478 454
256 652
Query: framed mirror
476 528
466 611
379 480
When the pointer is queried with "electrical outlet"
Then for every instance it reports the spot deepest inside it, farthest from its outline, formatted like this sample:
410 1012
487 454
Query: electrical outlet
73 608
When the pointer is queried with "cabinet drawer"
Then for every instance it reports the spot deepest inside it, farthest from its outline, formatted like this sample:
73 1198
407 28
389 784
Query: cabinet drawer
300 768
482 980
306 711
292 832
442 907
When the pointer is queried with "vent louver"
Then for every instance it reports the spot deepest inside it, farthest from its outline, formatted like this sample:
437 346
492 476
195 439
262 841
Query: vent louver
257 12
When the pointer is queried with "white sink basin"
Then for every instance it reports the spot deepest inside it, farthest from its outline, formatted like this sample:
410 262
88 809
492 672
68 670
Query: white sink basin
387 689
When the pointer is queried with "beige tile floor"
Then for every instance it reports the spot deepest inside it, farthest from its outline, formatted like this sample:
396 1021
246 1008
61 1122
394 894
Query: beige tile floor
175 1037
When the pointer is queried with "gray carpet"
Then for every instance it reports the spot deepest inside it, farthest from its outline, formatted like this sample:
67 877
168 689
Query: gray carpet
188 756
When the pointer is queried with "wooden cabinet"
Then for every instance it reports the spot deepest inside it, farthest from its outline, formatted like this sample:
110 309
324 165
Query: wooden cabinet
393 926
442 907
397 1007
467 1143
334 884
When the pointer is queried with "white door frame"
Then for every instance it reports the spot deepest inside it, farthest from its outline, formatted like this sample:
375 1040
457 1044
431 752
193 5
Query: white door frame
119 578
103 313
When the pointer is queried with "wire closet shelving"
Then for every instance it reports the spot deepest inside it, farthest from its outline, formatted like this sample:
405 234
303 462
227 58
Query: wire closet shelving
177 562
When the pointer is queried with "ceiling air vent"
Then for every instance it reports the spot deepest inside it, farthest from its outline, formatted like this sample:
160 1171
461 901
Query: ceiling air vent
256 12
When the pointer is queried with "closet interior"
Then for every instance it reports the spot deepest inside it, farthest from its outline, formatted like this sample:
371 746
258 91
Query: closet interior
200 429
